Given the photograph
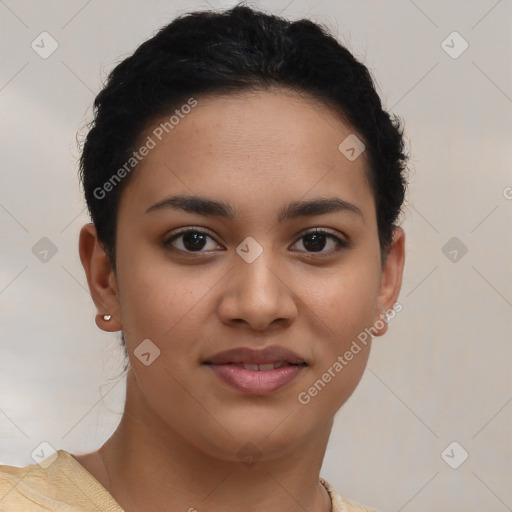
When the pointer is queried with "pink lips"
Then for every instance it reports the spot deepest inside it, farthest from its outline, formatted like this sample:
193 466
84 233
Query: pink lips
229 367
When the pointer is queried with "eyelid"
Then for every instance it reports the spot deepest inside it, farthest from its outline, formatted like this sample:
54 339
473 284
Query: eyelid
324 231
188 229
195 229
342 241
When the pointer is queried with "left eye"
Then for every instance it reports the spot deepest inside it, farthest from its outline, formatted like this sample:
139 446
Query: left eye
316 241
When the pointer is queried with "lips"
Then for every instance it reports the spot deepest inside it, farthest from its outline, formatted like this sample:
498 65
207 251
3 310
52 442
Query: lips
257 372
261 367
257 360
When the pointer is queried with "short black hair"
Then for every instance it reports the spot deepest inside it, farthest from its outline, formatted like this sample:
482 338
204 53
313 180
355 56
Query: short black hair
207 53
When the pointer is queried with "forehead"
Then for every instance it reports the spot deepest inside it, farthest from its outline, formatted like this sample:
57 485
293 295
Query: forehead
251 147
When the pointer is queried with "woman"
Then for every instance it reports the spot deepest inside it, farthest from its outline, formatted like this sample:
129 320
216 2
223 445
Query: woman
244 185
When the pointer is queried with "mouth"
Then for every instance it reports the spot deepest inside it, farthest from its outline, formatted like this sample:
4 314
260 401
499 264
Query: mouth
262 367
268 358
256 372
255 379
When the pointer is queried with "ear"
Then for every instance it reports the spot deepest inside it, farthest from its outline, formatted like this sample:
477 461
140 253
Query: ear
100 278
391 280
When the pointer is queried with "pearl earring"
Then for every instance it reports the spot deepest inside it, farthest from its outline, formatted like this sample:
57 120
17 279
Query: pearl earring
107 317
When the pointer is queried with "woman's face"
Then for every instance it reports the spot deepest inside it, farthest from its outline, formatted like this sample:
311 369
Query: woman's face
253 279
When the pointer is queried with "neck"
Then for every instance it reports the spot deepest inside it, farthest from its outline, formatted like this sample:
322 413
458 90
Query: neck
149 466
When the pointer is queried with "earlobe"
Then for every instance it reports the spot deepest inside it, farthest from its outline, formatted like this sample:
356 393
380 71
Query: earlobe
107 323
100 278
391 280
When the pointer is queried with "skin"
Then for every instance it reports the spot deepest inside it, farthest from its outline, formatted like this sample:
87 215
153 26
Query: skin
176 445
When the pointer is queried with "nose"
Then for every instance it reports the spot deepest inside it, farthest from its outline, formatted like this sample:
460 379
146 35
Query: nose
258 295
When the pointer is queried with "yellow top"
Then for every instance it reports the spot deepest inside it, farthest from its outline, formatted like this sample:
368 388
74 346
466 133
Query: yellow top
64 485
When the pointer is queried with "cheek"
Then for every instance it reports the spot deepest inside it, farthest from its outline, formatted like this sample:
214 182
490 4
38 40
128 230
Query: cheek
345 307
156 297
345 303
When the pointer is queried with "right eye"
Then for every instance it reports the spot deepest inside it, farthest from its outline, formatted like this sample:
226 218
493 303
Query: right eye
189 240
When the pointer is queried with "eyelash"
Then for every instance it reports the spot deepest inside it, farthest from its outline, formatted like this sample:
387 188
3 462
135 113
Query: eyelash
341 244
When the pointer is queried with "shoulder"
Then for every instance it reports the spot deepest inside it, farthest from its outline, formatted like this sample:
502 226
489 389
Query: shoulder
340 504
18 486
59 483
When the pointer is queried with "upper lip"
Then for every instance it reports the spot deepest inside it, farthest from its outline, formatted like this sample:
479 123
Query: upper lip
267 355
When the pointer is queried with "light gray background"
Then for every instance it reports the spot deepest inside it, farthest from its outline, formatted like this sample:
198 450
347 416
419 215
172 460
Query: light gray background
441 374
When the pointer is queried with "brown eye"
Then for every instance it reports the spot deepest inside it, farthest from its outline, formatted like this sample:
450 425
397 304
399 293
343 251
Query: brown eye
316 241
190 240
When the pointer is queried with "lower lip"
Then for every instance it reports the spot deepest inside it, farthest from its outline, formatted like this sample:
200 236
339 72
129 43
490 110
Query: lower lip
256 382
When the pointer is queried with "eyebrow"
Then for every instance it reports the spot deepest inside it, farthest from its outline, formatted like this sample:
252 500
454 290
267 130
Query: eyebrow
210 207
